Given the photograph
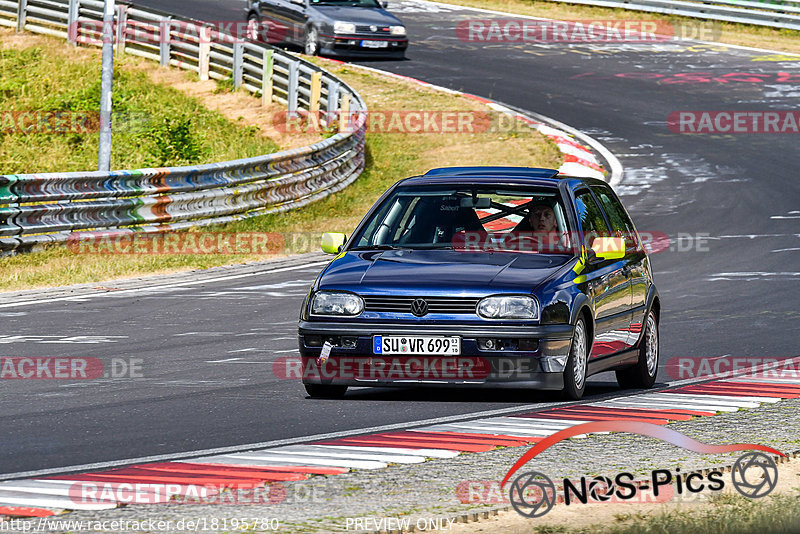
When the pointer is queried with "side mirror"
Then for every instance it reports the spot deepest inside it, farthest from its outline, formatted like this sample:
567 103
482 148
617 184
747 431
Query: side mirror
332 242
608 248
385 4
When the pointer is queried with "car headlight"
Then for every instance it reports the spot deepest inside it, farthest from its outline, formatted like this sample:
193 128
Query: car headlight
336 303
344 27
398 30
509 307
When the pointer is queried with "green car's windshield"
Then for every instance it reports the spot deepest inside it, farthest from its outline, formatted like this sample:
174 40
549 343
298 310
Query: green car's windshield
470 217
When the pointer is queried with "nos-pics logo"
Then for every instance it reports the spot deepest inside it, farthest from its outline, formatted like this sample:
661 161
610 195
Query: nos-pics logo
533 494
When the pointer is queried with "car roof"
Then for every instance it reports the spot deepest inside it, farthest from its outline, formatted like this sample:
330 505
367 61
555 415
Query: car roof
496 175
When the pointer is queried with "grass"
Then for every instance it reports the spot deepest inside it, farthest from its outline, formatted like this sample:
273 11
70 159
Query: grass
390 157
715 31
154 125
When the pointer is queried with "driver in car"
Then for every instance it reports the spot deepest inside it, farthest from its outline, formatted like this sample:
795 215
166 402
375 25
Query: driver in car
540 228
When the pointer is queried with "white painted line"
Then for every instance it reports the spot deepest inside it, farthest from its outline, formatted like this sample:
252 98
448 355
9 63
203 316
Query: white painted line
249 462
539 423
162 490
323 452
546 420
664 405
37 488
732 398
276 459
678 398
163 286
18 498
520 423
427 453
466 428
765 380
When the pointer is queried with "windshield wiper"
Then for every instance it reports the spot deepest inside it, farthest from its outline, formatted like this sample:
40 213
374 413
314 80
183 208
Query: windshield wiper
377 247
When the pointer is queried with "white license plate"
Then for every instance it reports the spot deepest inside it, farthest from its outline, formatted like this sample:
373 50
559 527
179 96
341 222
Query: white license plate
374 44
421 345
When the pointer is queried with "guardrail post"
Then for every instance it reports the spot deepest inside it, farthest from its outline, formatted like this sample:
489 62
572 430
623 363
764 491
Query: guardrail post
291 95
122 22
204 59
164 37
266 79
316 92
333 101
72 22
238 66
344 113
21 12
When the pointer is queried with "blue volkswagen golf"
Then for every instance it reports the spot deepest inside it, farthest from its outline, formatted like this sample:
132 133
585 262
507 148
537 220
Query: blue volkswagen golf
484 277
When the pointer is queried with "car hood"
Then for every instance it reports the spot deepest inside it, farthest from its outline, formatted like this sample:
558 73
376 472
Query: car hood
444 270
357 15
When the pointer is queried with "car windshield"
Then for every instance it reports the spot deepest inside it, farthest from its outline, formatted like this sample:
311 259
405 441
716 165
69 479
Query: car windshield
348 3
470 218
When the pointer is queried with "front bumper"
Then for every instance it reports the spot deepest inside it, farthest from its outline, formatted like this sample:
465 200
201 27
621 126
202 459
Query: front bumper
350 46
352 362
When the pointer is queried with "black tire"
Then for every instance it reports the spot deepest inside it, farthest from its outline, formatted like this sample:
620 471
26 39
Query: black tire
254 28
325 391
643 374
311 41
577 363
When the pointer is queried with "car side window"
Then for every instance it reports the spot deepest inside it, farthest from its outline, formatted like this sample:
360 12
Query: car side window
621 224
590 217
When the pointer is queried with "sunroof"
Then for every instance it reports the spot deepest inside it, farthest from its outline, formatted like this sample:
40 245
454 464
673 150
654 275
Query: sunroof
531 172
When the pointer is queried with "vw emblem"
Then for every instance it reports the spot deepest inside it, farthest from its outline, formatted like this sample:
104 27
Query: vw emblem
373 28
419 307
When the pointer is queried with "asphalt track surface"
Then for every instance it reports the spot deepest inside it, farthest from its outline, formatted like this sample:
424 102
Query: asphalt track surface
206 350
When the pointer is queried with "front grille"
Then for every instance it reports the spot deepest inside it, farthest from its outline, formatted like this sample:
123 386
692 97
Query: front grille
396 304
368 29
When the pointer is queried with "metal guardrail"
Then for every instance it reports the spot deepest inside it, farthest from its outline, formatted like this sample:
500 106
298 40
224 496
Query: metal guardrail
775 14
46 208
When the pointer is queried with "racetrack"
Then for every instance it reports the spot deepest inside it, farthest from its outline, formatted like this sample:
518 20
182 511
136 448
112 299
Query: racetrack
207 349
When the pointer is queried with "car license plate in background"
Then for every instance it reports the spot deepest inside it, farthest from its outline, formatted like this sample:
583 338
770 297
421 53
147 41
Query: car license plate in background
374 44
408 345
